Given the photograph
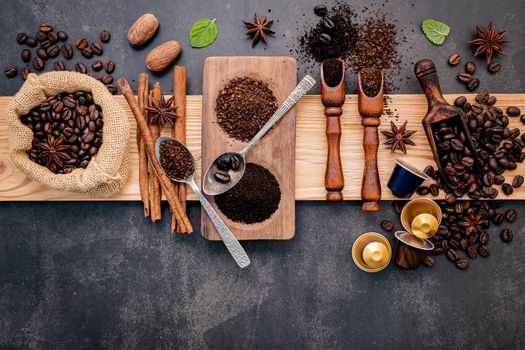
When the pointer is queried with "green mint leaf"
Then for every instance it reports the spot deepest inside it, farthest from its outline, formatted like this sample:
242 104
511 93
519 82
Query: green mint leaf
203 32
435 31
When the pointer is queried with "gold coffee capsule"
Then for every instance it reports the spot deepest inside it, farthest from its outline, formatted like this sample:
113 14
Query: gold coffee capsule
371 252
421 217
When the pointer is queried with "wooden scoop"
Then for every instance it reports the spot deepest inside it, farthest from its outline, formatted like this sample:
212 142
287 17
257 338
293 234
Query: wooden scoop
333 97
370 109
440 111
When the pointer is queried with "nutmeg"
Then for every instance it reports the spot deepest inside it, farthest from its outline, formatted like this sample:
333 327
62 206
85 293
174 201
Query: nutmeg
162 56
142 30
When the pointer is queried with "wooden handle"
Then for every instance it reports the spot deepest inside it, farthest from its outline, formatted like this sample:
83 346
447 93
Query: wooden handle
428 79
334 179
371 186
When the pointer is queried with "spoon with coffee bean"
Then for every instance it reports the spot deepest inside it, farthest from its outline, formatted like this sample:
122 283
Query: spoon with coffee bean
228 168
178 163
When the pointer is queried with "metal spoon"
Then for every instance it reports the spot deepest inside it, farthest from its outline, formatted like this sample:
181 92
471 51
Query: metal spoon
213 187
233 245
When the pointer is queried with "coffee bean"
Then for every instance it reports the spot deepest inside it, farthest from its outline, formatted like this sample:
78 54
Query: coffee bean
429 261
62 36
422 190
104 36
21 38
511 215
513 111
96 48
465 78
434 190
107 79
37 63
319 10
462 264
10 72
473 84
499 179
328 24
483 251
235 163
53 51
59 65
325 38
460 101
517 181
397 207
522 118
110 67
26 55
470 67
30 41
387 225
498 219
494 67
79 67
25 72
41 36
86 52
507 235
454 59
222 176
52 37
452 255
81 43
45 28
507 189
42 54
67 51
97 65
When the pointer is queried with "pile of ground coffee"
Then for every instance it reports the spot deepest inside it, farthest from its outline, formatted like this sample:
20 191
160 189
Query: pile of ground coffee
370 81
243 106
254 199
332 72
176 160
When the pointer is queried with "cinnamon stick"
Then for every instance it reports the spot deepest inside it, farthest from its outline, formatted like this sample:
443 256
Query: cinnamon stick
142 96
178 129
164 181
155 193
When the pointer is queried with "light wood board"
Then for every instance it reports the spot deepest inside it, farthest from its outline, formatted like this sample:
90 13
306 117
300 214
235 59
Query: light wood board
309 157
275 151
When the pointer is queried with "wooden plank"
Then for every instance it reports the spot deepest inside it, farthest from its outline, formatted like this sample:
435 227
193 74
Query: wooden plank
276 151
310 149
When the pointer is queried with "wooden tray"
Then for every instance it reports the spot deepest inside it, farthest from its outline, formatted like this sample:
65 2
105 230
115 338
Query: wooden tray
276 150
310 150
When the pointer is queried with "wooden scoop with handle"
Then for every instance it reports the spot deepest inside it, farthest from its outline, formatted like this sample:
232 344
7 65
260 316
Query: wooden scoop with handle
440 111
333 97
370 108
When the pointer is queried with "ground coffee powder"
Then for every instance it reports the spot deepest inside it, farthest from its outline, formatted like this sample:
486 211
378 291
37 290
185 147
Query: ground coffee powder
176 160
244 105
254 199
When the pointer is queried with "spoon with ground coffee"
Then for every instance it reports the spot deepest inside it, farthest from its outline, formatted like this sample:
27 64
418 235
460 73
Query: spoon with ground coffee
228 168
179 164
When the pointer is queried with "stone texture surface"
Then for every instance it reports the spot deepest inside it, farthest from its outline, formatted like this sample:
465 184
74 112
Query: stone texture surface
98 275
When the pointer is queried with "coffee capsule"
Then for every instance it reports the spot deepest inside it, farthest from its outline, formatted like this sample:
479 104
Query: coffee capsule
414 241
405 179
410 250
421 216
371 252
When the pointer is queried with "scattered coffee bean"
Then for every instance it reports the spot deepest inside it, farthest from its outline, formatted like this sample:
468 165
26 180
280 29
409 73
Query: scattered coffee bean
235 163
470 67
25 72
97 65
107 79
483 251
472 252
429 261
62 36
79 67
328 24
86 52
104 36
325 38
320 10
513 111
10 71
96 48
452 255
460 101
465 78
21 38
81 43
499 179
511 215
454 59
507 189
517 181
110 67
59 65
507 235
397 207
387 225
26 55
222 176
498 219
473 84
42 54
434 190
45 28
494 67
37 63
41 36
52 51
52 37
30 41
462 264
67 51
423 190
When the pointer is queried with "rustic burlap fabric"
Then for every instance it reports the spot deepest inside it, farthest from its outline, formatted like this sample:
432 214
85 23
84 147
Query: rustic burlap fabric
107 171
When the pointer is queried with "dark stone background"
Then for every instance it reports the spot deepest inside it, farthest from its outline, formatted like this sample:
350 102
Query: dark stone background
98 275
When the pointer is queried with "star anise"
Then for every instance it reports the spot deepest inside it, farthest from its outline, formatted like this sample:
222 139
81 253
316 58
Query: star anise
398 138
54 151
472 224
489 42
258 30
161 111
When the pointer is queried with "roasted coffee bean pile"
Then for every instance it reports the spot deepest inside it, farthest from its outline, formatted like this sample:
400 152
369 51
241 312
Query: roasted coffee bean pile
50 47
370 81
498 148
332 72
176 160
243 106
254 199
67 131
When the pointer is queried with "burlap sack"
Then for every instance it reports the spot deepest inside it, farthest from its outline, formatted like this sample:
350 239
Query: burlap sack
107 171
